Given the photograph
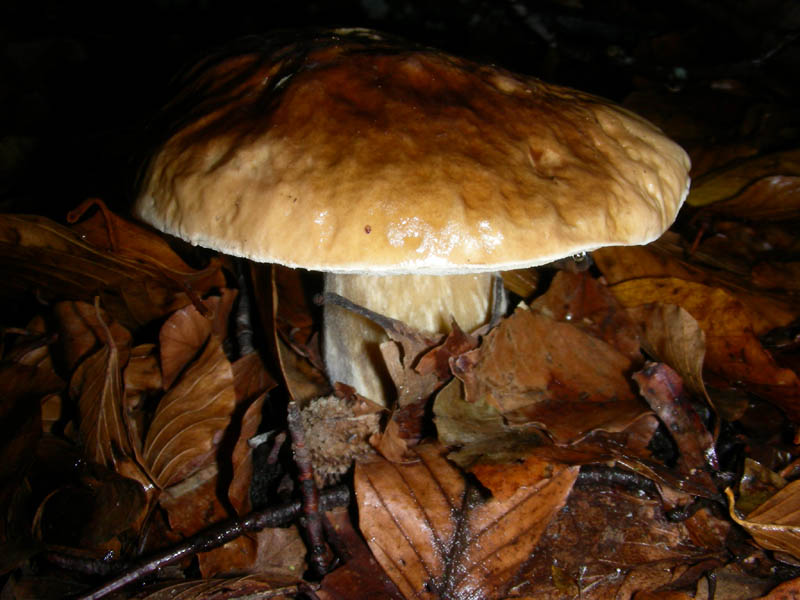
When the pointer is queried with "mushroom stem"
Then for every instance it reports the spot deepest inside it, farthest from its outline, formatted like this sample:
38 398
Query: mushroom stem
351 341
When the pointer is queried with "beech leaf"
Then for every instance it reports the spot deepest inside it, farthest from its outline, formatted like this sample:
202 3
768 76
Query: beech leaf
191 417
39 254
534 370
775 524
437 537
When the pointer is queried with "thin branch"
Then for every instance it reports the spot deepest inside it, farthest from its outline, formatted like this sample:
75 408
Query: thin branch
218 535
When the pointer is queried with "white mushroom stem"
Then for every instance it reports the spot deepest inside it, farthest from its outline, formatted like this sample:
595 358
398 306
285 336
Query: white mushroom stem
351 342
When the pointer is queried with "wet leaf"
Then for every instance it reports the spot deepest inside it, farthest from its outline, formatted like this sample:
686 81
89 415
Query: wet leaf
250 378
534 370
360 571
90 513
249 586
436 537
620 544
659 261
39 254
663 389
191 418
193 503
774 525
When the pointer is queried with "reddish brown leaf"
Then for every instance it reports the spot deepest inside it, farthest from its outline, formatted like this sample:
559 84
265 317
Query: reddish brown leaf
437 538
250 378
732 349
671 335
82 328
663 389
360 572
39 254
242 458
91 513
730 181
608 544
105 433
663 259
583 300
184 333
775 525
193 504
536 370
191 417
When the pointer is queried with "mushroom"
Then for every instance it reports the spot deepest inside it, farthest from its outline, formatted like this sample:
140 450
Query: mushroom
408 176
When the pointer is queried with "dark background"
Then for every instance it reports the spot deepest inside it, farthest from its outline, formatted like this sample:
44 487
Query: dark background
79 81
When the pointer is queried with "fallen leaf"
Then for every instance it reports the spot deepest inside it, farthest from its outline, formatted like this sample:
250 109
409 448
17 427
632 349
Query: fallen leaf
106 436
660 260
731 180
733 350
437 537
242 458
663 389
250 378
534 370
584 301
83 328
193 503
788 590
191 418
37 254
185 332
360 570
672 336
774 525
609 543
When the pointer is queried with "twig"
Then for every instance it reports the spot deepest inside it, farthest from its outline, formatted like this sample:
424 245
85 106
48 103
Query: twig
218 535
308 490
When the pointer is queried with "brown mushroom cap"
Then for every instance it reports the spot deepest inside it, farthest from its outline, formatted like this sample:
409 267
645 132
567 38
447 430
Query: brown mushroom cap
351 152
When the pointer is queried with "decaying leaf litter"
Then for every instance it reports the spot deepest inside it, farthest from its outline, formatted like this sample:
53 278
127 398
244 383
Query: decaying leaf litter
625 431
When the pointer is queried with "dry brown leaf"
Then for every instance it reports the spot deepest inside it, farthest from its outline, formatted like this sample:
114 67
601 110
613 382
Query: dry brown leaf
184 333
193 504
230 588
777 275
732 349
659 260
39 254
671 335
191 417
82 328
436 537
360 571
583 300
731 180
250 378
242 458
775 525
107 438
534 370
